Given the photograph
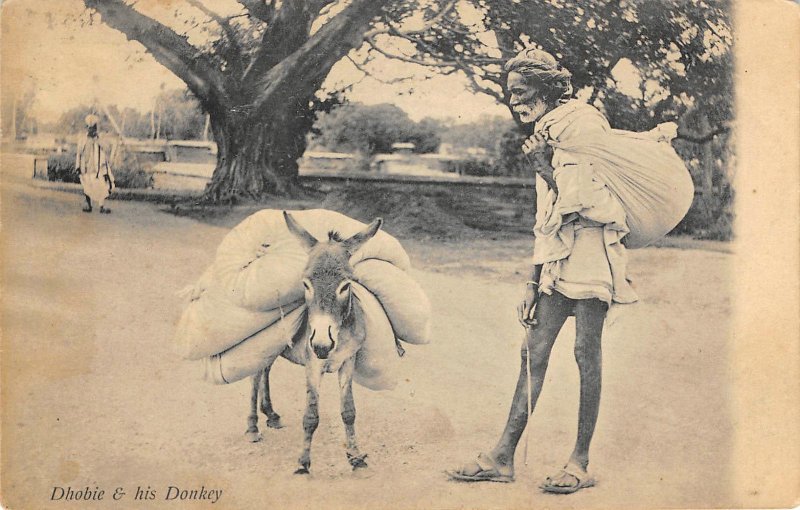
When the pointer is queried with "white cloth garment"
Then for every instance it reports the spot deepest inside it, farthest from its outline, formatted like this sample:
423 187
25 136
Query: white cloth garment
95 172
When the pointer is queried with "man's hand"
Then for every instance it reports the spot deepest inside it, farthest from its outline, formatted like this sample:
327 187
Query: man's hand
528 306
534 144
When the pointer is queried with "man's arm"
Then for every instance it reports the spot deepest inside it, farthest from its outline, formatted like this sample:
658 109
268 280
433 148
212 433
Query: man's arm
544 167
536 272
526 308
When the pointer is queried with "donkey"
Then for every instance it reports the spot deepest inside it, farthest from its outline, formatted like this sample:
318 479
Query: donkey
327 341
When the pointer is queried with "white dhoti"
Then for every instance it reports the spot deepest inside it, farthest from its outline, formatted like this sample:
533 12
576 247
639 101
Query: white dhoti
96 188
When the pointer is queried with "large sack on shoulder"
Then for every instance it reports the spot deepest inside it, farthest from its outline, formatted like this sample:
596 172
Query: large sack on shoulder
406 304
377 363
211 324
642 170
259 264
250 355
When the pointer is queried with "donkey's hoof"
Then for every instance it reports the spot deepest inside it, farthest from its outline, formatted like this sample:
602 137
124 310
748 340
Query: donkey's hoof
357 461
274 422
302 470
252 436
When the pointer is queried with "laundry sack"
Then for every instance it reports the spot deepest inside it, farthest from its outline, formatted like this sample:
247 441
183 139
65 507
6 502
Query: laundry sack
251 354
405 303
642 170
259 264
211 323
376 365
377 362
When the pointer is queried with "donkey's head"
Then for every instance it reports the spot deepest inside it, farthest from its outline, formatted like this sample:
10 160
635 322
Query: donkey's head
327 281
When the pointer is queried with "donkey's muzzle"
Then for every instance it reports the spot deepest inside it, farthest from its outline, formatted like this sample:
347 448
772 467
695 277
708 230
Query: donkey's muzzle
322 351
322 345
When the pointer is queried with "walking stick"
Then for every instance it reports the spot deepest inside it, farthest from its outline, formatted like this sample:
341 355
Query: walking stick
528 380
527 324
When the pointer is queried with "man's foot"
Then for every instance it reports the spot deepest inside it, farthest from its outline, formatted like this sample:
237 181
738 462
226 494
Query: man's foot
483 469
87 209
104 210
570 479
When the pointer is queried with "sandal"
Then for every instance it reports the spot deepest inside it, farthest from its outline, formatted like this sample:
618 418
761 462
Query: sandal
582 480
487 471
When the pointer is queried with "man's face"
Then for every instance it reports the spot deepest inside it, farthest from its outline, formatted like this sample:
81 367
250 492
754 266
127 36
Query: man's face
526 101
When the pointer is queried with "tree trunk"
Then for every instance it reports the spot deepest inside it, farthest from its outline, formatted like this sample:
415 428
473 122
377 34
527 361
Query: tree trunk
257 157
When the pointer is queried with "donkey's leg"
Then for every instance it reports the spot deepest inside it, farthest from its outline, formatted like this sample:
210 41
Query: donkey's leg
348 406
273 418
252 419
311 417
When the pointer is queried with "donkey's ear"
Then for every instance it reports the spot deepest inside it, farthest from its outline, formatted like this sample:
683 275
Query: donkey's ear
357 241
307 240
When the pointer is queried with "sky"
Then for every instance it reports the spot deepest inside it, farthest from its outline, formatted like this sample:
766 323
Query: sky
49 45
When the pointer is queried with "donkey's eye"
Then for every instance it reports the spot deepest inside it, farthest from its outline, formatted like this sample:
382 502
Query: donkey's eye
343 290
309 290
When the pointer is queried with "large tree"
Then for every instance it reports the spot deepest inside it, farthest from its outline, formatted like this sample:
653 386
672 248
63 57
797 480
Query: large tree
256 77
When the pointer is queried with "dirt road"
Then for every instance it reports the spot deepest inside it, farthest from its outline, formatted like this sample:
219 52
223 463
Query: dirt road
93 395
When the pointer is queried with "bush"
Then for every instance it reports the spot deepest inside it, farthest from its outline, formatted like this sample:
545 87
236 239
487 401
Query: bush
61 167
477 167
129 172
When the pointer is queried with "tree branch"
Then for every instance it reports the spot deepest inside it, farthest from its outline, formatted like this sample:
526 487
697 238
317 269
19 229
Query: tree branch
703 138
436 63
287 31
167 47
405 58
366 72
477 87
258 9
227 30
300 74
425 27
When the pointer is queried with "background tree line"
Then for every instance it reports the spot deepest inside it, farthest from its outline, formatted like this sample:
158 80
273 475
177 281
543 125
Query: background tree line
176 115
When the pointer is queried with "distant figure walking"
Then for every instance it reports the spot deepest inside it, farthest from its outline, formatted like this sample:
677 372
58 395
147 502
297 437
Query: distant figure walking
95 172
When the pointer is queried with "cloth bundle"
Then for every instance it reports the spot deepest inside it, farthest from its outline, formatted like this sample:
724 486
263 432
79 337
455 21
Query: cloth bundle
641 169
248 305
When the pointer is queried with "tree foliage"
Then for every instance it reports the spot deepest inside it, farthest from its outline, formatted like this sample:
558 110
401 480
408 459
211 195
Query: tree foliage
372 129
175 115
681 49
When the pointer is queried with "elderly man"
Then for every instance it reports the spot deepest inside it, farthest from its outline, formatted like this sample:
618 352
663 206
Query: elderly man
578 267
95 172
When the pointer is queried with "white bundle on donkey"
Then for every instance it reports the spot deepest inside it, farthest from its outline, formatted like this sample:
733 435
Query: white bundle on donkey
641 169
316 287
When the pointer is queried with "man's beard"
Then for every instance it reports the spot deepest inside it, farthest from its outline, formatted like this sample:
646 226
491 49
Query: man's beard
531 112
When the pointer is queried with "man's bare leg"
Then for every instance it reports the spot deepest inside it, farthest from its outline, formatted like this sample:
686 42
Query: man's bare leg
589 317
551 313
